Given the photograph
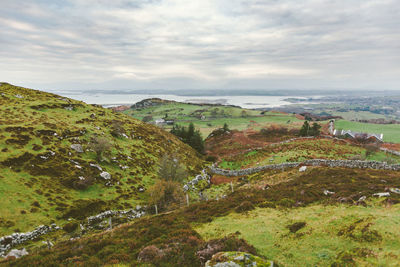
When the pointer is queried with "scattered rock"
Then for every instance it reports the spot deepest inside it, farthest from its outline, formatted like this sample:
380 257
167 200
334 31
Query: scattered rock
105 175
385 194
395 190
236 259
363 198
303 169
17 253
327 192
96 166
77 147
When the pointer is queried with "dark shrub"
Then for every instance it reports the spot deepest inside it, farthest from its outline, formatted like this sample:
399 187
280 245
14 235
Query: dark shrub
293 228
245 206
70 227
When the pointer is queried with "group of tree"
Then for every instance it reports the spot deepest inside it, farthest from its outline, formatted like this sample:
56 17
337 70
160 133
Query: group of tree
189 136
308 130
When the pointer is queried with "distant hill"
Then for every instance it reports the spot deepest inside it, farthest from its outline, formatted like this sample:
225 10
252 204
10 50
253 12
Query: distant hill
49 170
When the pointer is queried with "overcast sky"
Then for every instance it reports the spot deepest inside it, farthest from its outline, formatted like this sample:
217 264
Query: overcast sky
200 44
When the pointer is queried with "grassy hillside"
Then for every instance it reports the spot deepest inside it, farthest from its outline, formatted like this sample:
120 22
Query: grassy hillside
209 117
42 179
317 235
292 222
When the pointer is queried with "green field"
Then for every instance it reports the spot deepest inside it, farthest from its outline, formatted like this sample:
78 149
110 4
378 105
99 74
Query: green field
391 132
371 231
302 150
210 117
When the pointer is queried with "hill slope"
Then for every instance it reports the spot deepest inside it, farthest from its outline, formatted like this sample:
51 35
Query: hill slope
49 170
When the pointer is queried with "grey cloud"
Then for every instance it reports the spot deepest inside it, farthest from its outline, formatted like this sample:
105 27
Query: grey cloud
200 44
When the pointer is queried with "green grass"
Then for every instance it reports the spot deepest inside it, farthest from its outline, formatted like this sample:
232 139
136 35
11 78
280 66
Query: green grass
215 116
50 181
391 132
301 150
320 241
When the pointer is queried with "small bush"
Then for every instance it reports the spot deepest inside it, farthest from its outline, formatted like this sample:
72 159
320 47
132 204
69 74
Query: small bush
244 207
211 158
267 204
70 227
286 202
293 228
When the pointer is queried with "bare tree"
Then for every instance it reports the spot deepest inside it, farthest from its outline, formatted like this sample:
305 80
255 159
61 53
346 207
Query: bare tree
101 146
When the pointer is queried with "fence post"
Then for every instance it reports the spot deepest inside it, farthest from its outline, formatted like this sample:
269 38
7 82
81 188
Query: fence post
156 208
187 199
110 222
232 186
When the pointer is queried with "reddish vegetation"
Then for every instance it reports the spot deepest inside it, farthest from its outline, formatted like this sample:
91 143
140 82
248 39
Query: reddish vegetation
391 146
298 116
231 143
236 142
219 179
120 108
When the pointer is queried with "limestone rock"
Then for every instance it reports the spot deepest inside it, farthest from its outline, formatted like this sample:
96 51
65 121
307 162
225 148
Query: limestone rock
17 253
105 175
384 194
96 166
303 169
395 190
237 259
77 147
327 192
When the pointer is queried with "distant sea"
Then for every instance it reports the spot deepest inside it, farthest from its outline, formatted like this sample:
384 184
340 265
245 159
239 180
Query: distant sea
251 102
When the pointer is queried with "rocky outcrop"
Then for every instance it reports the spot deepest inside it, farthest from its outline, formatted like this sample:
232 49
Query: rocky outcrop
237 259
77 147
355 164
10 241
17 253
105 175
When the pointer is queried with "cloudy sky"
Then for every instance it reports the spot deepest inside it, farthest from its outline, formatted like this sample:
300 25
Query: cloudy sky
200 44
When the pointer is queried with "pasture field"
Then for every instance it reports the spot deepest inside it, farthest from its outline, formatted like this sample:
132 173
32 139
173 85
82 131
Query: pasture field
210 117
301 150
391 132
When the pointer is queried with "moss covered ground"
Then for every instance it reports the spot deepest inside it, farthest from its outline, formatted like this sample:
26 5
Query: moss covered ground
281 216
42 178
325 235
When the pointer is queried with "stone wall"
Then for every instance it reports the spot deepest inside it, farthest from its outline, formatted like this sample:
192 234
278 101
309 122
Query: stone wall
191 185
129 214
355 164
10 241
394 152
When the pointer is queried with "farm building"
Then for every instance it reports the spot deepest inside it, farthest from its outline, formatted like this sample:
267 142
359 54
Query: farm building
354 135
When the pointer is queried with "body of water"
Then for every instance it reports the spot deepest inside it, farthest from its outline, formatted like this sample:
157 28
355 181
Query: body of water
108 100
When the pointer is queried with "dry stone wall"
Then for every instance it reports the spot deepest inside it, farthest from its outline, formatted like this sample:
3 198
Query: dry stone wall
355 164
10 241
